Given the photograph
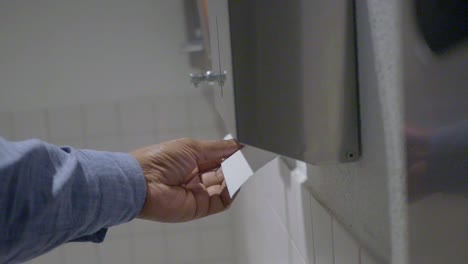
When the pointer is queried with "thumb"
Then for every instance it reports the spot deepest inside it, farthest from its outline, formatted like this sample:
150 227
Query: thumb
215 150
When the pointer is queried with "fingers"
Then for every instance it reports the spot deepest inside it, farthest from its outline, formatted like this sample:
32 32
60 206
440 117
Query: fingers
208 166
219 198
209 151
212 178
210 200
202 200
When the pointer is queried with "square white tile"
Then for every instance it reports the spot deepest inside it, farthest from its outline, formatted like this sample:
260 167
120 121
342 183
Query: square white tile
224 261
104 143
274 238
161 136
295 256
366 258
65 122
30 124
53 257
299 215
121 231
217 243
345 248
139 226
184 246
322 233
261 238
207 133
77 253
276 177
6 125
223 219
136 116
181 227
150 249
101 119
132 142
119 251
202 112
77 143
171 114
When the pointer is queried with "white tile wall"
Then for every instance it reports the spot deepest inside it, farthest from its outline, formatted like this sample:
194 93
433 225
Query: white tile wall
345 248
119 232
295 255
150 249
156 66
201 111
30 124
6 125
278 220
146 227
77 253
216 243
52 257
366 258
322 233
101 119
299 215
183 246
65 123
222 219
125 126
117 251
72 142
299 230
172 114
132 142
104 143
162 136
136 116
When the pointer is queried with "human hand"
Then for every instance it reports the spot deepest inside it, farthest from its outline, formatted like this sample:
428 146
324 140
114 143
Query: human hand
416 160
184 179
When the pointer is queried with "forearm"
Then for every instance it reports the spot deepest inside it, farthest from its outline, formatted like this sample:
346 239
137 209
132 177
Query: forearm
51 195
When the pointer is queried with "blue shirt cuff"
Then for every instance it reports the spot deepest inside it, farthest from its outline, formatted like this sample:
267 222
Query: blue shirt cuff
120 190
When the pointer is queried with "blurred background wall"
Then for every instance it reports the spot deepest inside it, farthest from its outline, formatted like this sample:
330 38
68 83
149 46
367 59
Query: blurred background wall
109 75
113 75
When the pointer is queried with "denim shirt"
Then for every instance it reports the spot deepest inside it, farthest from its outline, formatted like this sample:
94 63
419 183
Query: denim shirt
51 195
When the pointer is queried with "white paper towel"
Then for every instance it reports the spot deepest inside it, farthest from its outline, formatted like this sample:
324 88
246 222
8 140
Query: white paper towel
239 167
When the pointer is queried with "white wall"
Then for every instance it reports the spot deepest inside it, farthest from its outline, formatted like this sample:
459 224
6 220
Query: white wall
55 53
278 221
123 126
109 75
340 213
81 61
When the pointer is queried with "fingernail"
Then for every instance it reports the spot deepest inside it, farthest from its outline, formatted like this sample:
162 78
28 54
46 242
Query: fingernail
238 143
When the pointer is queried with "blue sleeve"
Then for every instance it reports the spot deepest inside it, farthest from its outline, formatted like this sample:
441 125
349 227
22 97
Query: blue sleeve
51 195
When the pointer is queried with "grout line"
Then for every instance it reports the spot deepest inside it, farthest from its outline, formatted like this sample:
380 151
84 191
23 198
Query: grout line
47 124
164 233
12 129
61 253
312 229
333 240
97 252
359 254
118 115
83 126
154 116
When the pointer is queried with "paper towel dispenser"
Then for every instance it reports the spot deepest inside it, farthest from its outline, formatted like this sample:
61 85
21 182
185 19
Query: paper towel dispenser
284 74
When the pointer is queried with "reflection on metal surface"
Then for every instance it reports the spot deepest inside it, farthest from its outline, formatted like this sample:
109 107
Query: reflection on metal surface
292 86
436 117
209 77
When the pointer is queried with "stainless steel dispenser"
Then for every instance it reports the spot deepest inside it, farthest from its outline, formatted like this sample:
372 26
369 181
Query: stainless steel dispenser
284 74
